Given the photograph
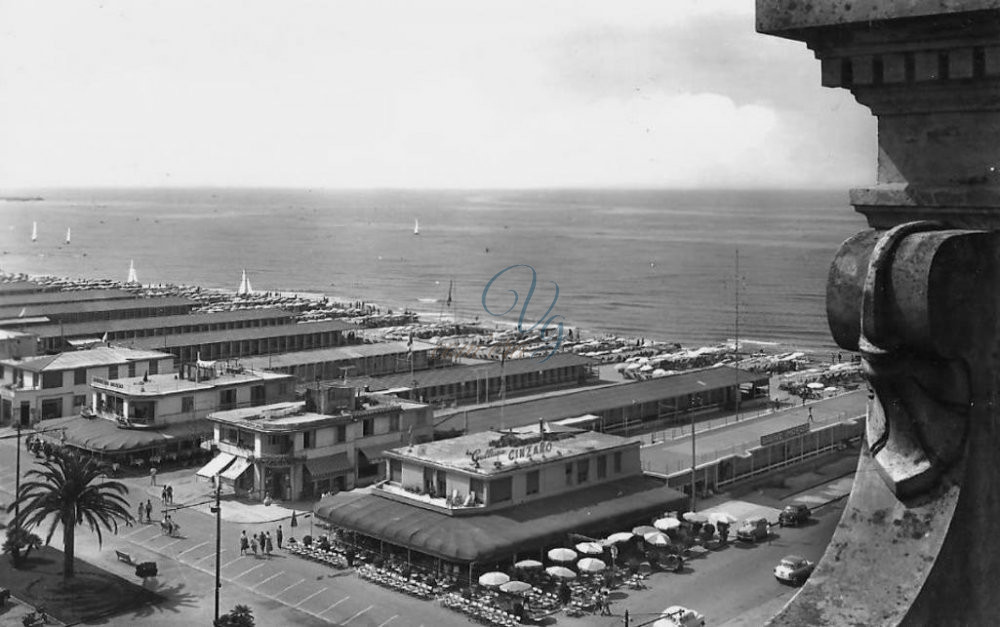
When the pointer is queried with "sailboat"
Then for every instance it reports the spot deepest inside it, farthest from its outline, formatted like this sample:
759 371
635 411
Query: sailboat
68 235
132 276
416 227
245 287
34 231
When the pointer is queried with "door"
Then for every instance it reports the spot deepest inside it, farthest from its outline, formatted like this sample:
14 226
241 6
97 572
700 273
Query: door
25 414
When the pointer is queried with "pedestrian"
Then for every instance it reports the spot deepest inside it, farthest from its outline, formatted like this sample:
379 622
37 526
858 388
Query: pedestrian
152 475
142 508
278 536
149 511
268 546
810 415
253 544
170 494
163 495
244 543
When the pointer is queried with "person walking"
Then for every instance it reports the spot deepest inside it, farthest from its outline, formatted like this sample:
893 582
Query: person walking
268 546
278 536
244 543
149 511
253 544
152 475
170 494
142 508
163 495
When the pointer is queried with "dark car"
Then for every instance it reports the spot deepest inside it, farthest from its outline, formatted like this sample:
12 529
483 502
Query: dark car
793 515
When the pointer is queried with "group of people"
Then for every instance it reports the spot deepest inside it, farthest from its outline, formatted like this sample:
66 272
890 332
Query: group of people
167 495
260 541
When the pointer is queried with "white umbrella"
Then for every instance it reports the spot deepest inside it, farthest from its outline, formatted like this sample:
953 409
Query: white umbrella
515 587
591 565
643 530
561 572
659 372
562 555
589 548
657 539
528 564
491 580
694 517
815 385
830 389
646 368
666 524
723 517
621 536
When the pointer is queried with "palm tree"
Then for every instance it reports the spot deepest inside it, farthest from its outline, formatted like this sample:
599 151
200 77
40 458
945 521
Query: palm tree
69 489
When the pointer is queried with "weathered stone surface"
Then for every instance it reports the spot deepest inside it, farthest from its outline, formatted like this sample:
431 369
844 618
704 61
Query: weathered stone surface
776 17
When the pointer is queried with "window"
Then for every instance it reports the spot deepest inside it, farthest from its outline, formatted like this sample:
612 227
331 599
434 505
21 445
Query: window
258 396
583 471
154 367
80 376
187 404
395 470
112 372
531 486
340 434
602 466
393 423
368 427
476 488
51 408
131 368
79 400
227 399
52 380
309 439
500 490
618 461
569 473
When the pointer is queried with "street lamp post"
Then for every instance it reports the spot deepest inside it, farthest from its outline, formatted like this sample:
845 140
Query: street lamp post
694 460
17 480
217 510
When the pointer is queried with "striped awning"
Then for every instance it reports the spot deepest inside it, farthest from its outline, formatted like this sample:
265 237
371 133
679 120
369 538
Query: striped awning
217 465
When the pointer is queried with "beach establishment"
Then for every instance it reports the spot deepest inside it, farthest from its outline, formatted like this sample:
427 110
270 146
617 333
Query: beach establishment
498 496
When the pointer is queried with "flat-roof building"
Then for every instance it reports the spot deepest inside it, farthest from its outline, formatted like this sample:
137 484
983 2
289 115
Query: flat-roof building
333 441
249 342
111 309
327 364
487 497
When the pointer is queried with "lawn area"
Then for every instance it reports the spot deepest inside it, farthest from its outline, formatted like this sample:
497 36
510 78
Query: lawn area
92 593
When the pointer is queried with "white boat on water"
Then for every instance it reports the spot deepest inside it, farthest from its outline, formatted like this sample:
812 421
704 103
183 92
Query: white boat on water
68 235
34 231
245 288
416 227
132 276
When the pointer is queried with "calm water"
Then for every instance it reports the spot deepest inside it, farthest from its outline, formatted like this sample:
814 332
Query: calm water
659 264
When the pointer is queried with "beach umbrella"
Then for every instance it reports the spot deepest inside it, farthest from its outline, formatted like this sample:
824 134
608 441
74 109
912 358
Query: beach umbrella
494 579
830 389
515 587
657 538
589 548
723 517
528 564
646 368
666 524
660 372
591 565
562 555
693 517
643 530
621 536
561 572
645 568
815 385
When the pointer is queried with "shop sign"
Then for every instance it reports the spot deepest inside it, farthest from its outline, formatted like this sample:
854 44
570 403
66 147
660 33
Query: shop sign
113 384
786 434
511 453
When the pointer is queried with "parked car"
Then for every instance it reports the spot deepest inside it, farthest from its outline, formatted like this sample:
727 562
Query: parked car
754 529
682 616
793 515
793 569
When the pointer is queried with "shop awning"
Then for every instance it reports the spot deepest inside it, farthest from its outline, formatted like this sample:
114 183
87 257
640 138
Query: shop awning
489 537
104 436
376 452
238 468
217 465
325 467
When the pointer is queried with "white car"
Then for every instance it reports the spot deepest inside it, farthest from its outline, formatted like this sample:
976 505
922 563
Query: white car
679 616
794 570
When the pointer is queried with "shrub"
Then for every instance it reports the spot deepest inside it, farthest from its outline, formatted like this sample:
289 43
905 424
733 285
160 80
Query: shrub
307 540
146 569
240 616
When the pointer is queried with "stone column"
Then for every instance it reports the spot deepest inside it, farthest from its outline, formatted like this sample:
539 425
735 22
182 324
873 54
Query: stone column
917 296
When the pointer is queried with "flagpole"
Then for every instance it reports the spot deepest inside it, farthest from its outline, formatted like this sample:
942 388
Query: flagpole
503 385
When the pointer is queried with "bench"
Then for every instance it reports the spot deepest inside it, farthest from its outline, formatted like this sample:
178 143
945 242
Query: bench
123 556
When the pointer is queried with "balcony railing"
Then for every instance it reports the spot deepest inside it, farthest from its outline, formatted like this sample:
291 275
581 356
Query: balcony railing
462 502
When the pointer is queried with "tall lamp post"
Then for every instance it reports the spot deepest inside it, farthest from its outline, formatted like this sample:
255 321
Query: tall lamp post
694 460
217 510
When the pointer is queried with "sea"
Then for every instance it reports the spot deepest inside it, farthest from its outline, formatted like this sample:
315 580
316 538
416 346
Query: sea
692 267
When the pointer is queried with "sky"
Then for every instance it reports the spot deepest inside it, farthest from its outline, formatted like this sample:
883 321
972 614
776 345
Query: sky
417 94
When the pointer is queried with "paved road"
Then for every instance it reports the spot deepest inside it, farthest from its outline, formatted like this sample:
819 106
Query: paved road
725 440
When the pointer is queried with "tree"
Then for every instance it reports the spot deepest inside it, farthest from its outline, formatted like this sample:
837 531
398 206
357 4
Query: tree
19 544
240 616
70 490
